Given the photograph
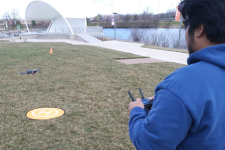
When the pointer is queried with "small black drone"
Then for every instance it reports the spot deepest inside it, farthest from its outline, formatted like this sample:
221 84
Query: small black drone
31 71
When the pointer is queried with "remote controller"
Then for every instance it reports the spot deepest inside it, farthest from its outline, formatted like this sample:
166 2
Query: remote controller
146 101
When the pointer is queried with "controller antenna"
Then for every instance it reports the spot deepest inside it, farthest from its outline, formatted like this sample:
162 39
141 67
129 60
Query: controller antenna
142 94
131 96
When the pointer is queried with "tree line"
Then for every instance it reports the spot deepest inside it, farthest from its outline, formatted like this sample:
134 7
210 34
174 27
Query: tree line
144 16
146 19
12 19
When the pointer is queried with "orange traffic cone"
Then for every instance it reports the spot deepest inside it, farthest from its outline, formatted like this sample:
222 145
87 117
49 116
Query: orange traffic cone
51 52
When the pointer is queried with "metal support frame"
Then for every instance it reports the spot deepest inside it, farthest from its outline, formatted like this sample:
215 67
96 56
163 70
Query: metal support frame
27 26
49 26
115 25
180 31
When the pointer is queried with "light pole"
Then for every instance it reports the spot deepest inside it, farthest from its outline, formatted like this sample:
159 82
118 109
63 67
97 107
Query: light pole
180 31
103 14
98 10
112 6
139 7
170 13
181 18
115 25
158 8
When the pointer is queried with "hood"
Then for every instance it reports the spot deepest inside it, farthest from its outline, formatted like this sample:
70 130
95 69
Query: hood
213 55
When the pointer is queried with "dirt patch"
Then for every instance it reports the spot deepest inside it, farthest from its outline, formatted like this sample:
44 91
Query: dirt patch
139 61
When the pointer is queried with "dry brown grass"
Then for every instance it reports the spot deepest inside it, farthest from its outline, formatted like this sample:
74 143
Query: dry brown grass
4 41
85 81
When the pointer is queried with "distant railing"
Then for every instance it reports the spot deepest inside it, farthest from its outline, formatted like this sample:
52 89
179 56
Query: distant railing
95 31
91 29
77 30
60 30
12 33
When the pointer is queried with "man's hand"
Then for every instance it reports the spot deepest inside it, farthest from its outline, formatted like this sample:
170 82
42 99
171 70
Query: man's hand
137 103
151 98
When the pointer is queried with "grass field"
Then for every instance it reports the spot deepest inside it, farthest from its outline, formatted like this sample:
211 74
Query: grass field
4 41
85 81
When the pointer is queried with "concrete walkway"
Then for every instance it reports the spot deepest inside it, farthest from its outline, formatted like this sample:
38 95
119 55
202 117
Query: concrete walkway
135 48
128 47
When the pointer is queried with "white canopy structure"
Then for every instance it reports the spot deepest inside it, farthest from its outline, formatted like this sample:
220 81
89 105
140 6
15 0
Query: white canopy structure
40 10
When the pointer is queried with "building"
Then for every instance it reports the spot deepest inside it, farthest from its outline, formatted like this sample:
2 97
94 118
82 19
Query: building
40 10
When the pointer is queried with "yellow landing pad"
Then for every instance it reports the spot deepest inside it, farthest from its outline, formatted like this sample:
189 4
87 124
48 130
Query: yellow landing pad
45 113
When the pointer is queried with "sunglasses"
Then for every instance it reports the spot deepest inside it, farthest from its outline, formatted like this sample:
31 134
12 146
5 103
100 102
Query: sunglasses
185 24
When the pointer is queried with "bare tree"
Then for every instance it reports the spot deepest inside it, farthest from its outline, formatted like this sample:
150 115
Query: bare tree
168 19
15 14
146 16
6 16
12 17
127 17
175 41
172 13
137 34
156 22
147 10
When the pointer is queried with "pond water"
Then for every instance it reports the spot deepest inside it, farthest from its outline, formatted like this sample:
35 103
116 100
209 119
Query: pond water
159 37
125 34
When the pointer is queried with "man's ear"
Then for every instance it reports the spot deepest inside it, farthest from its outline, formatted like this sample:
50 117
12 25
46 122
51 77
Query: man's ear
200 31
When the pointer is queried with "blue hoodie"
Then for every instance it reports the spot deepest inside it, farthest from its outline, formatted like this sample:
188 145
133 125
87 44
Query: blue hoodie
189 107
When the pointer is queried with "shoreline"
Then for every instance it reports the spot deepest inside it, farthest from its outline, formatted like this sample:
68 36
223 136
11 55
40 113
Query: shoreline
173 24
173 27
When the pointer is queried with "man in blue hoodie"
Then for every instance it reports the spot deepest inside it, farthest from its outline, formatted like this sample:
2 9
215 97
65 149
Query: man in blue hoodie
189 105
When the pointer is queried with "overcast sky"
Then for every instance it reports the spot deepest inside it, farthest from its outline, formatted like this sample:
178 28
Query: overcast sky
92 7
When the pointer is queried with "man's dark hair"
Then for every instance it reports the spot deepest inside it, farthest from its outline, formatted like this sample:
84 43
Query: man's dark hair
210 13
